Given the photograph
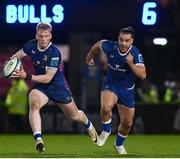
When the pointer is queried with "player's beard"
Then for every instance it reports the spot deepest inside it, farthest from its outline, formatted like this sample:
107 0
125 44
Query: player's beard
123 49
43 45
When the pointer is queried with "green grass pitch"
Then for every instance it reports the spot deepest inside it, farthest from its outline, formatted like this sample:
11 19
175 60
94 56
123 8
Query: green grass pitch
80 146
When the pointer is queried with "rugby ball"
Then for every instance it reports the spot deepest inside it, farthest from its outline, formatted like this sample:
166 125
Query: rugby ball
11 66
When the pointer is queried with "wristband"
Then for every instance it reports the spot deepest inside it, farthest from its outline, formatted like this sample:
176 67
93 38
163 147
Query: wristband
28 77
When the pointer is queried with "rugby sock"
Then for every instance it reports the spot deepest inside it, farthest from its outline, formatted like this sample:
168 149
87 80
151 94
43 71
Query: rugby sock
37 135
87 123
107 126
120 139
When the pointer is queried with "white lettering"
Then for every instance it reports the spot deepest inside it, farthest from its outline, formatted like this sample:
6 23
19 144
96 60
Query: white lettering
44 17
32 18
11 14
117 69
23 13
58 13
28 13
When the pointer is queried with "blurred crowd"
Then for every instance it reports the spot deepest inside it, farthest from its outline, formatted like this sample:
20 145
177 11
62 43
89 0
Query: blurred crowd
166 92
14 105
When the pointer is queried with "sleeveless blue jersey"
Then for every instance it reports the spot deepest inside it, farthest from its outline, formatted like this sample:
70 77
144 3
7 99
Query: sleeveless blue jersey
50 57
119 78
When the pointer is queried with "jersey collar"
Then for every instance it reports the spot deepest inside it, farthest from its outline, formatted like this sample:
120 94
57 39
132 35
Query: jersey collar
124 54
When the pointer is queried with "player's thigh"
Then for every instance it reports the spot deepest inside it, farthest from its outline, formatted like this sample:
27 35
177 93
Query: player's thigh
70 109
126 114
108 99
37 98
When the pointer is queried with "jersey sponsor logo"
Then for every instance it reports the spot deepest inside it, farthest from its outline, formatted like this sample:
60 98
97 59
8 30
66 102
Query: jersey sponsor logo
54 61
140 58
117 69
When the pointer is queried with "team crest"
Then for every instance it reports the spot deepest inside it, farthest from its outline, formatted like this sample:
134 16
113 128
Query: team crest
45 58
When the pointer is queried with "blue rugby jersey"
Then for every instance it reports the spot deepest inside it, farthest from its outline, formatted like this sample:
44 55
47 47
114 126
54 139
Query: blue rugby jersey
50 57
119 73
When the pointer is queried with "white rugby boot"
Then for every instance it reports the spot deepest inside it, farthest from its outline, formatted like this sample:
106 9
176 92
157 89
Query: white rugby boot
102 138
92 133
120 149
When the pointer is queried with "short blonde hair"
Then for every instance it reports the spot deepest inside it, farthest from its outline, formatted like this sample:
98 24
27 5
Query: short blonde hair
43 26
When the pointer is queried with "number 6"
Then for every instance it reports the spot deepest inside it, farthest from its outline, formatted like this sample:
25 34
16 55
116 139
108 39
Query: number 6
149 17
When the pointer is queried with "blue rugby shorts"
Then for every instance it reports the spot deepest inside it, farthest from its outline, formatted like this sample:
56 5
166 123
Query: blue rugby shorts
125 96
57 93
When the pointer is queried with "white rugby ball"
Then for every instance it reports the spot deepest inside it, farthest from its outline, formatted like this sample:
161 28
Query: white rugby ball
11 66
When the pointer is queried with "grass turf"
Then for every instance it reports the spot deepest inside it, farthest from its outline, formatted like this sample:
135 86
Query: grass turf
57 146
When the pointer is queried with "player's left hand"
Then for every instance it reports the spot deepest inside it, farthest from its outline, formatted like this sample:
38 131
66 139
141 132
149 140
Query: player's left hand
19 74
129 59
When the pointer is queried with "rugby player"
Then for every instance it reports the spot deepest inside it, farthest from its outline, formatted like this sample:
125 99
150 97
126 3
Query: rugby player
49 83
124 62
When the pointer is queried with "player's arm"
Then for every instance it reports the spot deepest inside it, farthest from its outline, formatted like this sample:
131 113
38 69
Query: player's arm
45 78
96 48
20 54
138 69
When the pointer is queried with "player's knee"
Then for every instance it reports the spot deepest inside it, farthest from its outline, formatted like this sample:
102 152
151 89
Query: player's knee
106 108
74 118
126 125
34 105
80 112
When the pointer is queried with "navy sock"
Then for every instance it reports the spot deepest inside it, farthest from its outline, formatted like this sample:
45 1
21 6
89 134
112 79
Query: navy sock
38 136
87 125
120 139
107 126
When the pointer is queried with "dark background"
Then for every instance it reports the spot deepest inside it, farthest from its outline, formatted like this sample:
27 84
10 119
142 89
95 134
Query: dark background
87 21
94 20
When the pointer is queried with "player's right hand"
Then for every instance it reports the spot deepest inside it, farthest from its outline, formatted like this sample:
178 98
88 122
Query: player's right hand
19 73
12 57
90 62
